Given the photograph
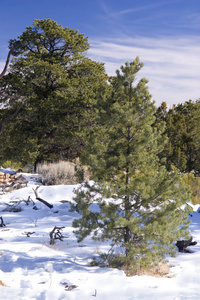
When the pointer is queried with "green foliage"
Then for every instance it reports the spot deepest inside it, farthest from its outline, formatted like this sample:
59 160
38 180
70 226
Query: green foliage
11 164
193 183
134 201
182 129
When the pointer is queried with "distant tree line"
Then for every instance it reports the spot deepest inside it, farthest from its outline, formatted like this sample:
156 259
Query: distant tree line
182 127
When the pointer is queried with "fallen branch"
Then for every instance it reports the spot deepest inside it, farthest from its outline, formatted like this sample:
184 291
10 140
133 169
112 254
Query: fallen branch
56 234
182 245
44 202
95 293
29 200
71 287
40 199
2 222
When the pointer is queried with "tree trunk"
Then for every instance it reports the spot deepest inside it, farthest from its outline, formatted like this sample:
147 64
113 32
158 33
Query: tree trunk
1 75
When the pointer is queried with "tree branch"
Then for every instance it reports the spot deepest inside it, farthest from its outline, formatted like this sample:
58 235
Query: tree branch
8 59
2 123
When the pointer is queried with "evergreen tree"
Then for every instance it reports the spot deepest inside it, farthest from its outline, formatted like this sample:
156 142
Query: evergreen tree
182 130
139 202
191 112
59 87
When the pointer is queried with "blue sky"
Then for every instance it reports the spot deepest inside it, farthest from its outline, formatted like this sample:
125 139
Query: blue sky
165 34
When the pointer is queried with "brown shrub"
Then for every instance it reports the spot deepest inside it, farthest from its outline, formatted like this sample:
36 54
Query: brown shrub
161 269
62 172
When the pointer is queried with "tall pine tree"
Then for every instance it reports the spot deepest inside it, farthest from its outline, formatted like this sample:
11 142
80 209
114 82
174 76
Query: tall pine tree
139 202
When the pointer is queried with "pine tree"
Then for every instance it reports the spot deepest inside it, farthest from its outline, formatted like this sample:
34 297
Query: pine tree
59 87
139 202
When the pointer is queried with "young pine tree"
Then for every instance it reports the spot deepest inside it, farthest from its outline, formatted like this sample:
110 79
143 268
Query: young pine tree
139 202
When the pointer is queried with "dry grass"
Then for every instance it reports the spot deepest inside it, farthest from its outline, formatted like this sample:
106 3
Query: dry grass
62 172
57 173
2 283
160 270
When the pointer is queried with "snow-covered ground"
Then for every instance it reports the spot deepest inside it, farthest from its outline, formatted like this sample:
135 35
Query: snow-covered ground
31 268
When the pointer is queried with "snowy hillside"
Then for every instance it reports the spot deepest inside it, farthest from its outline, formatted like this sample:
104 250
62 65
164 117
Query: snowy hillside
31 268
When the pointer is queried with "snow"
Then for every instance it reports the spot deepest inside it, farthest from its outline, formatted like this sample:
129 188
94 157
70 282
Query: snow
31 268
8 170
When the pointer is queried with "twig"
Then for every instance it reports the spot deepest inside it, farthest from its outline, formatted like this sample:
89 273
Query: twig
28 233
34 222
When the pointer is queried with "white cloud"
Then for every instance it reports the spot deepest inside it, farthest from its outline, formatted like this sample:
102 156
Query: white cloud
113 15
172 65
